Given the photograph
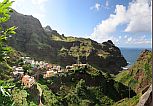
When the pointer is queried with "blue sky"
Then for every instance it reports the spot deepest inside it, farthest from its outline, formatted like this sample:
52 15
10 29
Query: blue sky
126 22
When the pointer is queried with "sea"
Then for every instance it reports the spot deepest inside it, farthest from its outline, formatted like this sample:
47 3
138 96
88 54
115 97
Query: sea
131 54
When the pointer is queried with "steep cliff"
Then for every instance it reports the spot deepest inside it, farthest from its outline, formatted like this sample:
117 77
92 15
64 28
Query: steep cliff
139 78
47 44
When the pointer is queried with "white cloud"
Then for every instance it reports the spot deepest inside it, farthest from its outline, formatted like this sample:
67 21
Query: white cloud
138 41
32 7
137 18
135 41
96 6
125 36
120 37
129 39
107 3
103 31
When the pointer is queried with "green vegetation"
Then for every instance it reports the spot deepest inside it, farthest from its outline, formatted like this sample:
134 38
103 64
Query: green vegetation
83 49
82 86
5 33
57 37
72 50
5 94
80 46
5 69
128 102
139 73
138 77
20 100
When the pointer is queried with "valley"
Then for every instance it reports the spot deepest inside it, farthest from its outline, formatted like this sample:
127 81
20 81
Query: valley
40 67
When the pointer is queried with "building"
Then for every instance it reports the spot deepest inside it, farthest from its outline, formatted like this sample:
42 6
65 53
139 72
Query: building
18 71
69 67
81 65
48 74
28 81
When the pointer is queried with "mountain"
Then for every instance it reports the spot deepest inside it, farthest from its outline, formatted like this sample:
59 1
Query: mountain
139 74
47 44
48 28
139 78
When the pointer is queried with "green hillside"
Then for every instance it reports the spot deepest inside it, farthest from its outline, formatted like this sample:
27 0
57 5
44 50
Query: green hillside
27 81
47 44
83 86
138 77
140 74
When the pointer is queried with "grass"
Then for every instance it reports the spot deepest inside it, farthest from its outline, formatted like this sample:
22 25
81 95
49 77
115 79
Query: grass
139 73
123 77
128 102
103 54
58 37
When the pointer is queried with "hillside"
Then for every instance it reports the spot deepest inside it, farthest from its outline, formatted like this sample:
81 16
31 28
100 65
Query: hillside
79 86
140 73
138 76
82 86
89 86
47 44
84 76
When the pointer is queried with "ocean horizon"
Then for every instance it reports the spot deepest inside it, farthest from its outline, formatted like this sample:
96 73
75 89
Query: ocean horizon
131 54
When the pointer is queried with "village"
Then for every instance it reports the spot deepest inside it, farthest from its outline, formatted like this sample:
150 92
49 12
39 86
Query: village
39 68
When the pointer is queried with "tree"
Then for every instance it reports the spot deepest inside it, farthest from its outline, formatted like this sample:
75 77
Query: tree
5 11
72 99
50 99
5 99
20 100
81 89
108 76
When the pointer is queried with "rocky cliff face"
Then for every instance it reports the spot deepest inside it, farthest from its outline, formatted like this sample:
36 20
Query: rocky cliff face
139 75
142 71
139 78
30 36
47 44
29 32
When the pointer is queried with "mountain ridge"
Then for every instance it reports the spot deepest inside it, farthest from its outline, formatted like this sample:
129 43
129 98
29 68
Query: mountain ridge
32 39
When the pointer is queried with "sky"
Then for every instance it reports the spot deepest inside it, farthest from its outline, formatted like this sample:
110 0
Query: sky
127 23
